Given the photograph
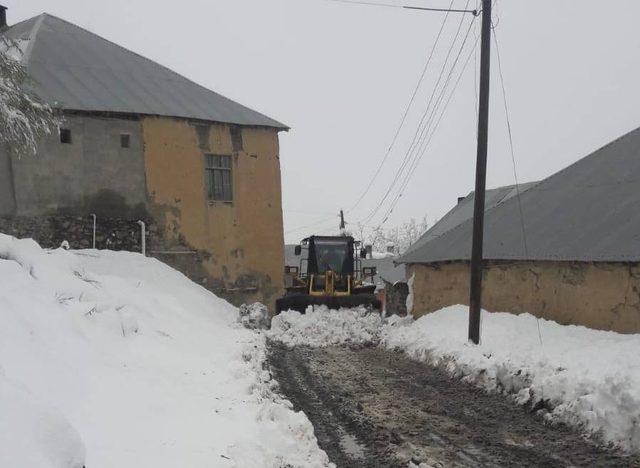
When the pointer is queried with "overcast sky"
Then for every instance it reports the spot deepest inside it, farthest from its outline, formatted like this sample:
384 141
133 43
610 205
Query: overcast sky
341 75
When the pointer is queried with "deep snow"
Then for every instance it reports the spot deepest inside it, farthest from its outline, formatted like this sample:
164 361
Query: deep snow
587 378
111 359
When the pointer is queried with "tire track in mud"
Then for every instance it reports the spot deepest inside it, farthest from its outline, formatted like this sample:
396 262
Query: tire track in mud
374 408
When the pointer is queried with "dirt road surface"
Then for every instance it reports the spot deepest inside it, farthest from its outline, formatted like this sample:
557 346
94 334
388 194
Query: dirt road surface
376 408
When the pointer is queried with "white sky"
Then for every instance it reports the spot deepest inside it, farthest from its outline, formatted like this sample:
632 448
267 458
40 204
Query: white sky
340 75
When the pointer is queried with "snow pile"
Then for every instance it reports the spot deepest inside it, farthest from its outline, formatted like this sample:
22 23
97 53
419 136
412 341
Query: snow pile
585 377
126 356
323 327
254 316
33 434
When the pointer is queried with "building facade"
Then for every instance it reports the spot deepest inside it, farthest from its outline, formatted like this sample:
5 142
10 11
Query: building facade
566 248
140 142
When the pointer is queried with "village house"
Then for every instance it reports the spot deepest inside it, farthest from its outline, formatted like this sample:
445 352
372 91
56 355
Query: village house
139 142
572 257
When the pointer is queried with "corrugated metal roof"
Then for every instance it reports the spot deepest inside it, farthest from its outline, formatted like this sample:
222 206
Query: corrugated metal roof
78 70
463 211
589 211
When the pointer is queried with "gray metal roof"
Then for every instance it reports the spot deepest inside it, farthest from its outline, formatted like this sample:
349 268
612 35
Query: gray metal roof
463 211
589 211
78 70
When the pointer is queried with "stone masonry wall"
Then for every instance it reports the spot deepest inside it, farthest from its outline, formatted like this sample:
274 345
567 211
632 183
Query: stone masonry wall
51 231
111 234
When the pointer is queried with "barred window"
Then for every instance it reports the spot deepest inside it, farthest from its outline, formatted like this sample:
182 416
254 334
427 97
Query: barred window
218 177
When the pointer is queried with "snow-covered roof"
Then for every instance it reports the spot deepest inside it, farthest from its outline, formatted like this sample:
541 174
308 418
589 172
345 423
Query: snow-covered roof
78 70
589 211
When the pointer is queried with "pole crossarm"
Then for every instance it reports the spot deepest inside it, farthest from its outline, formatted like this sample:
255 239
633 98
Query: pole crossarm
473 12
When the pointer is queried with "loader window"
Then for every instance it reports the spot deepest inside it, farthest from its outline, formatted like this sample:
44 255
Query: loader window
218 177
332 256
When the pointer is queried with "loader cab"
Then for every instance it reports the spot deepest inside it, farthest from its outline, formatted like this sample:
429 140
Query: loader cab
338 254
330 254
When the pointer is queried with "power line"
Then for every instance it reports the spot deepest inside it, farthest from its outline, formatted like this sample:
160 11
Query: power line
429 112
315 223
473 12
426 142
513 158
406 112
406 158
406 7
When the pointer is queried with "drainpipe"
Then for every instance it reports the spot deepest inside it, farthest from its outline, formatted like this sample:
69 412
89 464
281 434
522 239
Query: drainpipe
94 229
143 233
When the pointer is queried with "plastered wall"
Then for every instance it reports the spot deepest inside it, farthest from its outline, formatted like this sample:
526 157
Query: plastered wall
92 174
243 239
603 296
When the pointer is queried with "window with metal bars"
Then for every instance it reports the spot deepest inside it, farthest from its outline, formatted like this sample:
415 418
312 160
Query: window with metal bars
218 177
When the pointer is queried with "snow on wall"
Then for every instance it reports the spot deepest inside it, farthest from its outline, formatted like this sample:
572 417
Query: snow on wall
147 367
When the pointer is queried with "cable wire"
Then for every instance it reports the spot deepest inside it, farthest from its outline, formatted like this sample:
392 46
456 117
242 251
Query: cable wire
405 113
427 142
419 129
513 158
423 128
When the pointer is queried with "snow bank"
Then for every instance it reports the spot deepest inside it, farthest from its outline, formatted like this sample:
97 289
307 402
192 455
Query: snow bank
323 327
32 434
147 367
585 377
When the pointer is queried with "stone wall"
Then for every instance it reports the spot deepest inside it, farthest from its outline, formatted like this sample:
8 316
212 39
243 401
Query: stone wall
112 234
51 231
603 296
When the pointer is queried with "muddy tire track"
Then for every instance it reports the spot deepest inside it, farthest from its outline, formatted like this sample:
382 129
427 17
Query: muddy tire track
374 408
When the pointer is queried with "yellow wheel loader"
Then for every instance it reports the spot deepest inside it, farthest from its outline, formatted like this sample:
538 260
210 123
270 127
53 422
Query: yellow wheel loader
329 274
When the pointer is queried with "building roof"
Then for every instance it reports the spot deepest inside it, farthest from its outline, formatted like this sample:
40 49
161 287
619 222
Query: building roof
75 69
463 211
589 211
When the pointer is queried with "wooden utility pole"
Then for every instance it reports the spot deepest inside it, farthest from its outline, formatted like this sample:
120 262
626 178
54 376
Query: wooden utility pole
475 287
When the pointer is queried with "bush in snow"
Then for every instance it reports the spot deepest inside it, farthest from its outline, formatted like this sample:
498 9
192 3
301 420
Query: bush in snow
23 116
254 316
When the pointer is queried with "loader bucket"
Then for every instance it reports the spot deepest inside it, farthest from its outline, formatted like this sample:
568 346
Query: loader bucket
300 302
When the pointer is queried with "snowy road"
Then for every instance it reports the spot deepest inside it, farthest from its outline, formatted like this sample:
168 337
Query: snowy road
372 407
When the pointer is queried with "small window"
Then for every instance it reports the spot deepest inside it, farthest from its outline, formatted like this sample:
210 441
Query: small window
65 135
125 140
218 177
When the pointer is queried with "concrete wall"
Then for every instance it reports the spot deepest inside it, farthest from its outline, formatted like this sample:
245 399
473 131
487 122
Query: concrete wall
91 174
603 296
244 238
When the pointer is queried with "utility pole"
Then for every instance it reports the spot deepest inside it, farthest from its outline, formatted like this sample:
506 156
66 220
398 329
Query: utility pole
342 225
475 287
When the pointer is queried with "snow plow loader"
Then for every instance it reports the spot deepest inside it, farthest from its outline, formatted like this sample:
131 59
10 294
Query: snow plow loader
330 274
